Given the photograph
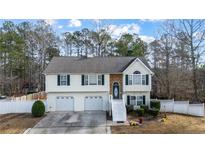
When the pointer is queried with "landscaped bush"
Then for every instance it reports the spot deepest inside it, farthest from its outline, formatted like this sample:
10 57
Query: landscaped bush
38 109
145 107
155 104
154 112
129 108
140 112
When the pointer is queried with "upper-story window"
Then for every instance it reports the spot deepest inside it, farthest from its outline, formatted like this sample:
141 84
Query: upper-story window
136 72
144 80
129 79
137 79
63 80
93 79
100 79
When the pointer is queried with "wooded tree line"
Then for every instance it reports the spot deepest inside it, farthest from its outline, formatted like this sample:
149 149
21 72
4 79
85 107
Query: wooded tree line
27 48
176 57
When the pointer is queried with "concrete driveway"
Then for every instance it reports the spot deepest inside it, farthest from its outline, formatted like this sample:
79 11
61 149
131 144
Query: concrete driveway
88 122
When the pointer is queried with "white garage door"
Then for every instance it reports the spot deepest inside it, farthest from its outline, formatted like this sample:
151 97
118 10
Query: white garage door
64 103
93 103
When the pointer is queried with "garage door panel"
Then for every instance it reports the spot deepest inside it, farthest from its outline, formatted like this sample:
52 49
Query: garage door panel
93 103
64 103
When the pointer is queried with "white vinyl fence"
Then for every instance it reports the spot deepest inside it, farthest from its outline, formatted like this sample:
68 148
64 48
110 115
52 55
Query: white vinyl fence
17 106
182 107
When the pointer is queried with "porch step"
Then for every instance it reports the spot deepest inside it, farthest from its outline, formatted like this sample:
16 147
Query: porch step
118 111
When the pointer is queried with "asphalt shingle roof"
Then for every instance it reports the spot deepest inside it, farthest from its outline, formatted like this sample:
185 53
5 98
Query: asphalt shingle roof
90 65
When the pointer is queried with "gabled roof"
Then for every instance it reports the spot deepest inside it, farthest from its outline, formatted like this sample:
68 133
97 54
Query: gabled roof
90 65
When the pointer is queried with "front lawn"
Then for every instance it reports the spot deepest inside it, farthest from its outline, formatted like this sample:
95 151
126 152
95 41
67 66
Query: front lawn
176 124
17 123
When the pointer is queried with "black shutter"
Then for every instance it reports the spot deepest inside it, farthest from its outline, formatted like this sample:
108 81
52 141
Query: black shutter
126 79
128 100
147 79
58 80
144 100
82 80
103 78
68 80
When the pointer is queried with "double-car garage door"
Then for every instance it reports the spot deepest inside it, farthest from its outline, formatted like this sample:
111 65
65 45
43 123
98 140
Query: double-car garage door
66 103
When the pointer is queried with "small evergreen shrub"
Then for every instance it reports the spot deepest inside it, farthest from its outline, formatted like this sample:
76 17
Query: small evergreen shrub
38 109
154 112
129 108
140 112
145 107
155 104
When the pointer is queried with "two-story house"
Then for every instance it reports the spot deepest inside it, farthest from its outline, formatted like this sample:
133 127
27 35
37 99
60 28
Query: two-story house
80 84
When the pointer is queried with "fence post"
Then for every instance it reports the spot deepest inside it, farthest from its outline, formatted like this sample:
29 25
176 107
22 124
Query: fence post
173 105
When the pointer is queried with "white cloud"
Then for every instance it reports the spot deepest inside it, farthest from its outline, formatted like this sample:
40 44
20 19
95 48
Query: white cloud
75 23
146 38
50 21
60 26
117 30
151 20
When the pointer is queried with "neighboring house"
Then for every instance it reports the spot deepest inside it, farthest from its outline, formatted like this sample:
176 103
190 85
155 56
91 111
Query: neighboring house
79 84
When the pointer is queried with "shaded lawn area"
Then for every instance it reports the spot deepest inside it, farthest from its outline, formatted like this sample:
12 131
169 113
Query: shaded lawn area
16 123
176 124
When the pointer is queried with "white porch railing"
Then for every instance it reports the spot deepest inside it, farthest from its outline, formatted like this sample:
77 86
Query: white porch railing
118 109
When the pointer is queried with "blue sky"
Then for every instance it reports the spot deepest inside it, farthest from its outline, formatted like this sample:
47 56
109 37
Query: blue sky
146 29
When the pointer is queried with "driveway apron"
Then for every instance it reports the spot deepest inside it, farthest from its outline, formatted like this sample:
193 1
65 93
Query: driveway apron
88 122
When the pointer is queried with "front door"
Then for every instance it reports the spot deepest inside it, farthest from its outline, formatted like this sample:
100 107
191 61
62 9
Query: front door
116 90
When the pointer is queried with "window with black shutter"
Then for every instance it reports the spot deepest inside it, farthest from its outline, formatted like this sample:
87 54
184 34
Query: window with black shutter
68 80
126 79
147 79
82 79
144 100
128 100
103 79
58 80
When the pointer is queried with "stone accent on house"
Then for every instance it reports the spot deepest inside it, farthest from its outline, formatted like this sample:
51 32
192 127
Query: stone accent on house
116 78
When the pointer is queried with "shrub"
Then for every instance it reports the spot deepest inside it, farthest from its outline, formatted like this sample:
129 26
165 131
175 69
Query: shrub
155 104
140 112
38 109
154 112
129 108
145 107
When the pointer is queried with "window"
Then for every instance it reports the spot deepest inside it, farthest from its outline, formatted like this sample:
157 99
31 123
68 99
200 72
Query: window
85 79
129 79
136 100
63 80
139 100
92 79
143 79
100 78
136 79
132 100
137 72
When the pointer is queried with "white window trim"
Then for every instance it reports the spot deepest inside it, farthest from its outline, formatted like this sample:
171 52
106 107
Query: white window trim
136 100
96 80
132 75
